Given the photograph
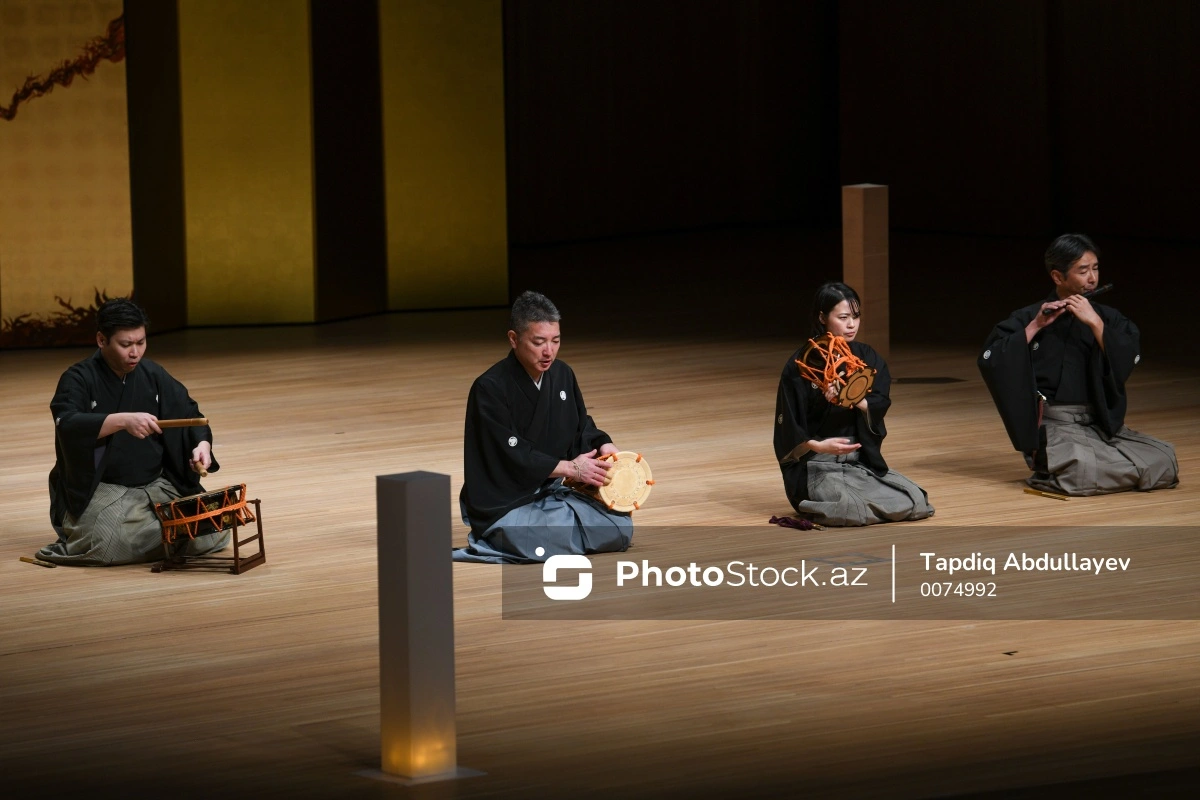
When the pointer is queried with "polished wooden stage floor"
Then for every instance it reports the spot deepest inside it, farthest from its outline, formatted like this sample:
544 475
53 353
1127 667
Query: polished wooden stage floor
120 682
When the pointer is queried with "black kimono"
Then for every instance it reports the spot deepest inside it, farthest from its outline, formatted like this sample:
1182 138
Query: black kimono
515 436
1015 371
1062 400
855 489
517 433
87 393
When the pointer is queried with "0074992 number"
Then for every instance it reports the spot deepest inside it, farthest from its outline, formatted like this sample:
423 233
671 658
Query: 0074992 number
951 589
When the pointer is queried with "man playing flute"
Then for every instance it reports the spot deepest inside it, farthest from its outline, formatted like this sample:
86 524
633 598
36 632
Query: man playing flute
113 462
1057 370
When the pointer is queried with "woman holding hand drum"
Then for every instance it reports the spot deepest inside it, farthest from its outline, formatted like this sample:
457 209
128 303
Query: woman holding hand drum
833 395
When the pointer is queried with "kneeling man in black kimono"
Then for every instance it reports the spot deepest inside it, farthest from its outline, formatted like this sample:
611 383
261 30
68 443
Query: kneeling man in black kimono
1057 372
527 429
113 463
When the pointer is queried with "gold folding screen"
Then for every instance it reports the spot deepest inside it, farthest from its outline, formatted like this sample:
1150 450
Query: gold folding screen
246 100
443 128
64 167
227 203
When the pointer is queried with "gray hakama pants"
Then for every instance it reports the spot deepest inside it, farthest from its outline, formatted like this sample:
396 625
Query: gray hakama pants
561 522
119 526
844 493
1081 460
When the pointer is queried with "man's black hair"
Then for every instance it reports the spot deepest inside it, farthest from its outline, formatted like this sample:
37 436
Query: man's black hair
1066 250
120 314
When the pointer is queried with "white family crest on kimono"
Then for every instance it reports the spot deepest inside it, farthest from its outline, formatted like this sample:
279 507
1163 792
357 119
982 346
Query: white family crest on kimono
514 437
1062 399
102 491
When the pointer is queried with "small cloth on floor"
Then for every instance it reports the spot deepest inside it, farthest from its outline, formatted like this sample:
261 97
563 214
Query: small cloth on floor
798 524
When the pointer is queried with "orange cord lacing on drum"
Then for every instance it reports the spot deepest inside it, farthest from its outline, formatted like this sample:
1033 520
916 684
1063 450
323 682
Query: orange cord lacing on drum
233 504
839 361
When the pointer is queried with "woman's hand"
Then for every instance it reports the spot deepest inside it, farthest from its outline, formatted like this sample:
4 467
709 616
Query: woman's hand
835 446
831 394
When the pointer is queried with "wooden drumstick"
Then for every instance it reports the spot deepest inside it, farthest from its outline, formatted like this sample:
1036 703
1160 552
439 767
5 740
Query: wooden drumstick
37 561
199 469
183 423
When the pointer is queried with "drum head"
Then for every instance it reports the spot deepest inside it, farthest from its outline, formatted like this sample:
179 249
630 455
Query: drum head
629 482
856 387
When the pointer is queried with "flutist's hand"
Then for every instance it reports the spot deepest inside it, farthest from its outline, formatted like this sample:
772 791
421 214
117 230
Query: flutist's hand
1042 319
1083 310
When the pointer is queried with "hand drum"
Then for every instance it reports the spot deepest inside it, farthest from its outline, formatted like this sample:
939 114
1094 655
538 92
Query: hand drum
629 482
827 361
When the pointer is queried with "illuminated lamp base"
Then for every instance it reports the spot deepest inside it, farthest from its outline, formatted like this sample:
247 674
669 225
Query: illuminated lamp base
387 777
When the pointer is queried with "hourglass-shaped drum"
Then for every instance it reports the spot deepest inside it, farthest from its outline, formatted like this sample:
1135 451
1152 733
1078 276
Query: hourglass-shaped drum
827 361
